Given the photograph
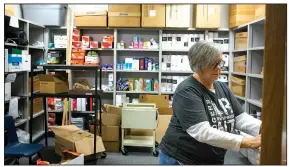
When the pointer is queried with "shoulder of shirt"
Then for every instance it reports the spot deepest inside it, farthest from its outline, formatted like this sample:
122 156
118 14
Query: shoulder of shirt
186 86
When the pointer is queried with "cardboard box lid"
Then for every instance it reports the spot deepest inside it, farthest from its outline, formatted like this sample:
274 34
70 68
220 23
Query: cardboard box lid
112 109
48 78
136 14
240 58
91 13
124 8
241 35
237 80
159 100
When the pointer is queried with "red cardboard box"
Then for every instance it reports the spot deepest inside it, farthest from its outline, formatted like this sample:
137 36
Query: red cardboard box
85 41
94 44
107 39
77 62
106 45
78 55
76 44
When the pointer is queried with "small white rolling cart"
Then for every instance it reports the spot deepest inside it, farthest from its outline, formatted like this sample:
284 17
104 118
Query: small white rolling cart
139 116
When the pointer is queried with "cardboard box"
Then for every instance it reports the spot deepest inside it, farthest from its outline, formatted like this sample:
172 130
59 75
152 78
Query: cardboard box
91 19
241 40
86 41
240 64
72 138
112 109
37 105
36 84
124 15
164 121
141 132
240 14
260 11
238 85
14 62
9 9
153 15
110 133
178 15
94 44
76 44
51 84
78 56
207 16
109 119
159 100
112 146
68 158
165 110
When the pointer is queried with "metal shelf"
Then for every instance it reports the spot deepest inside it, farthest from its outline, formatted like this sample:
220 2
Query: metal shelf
37 114
255 102
241 98
138 92
175 50
240 50
67 67
13 44
139 71
36 47
141 50
82 112
67 95
256 76
99 49
19 122
57 49
37 135
238 73
257 48
178 72
53 111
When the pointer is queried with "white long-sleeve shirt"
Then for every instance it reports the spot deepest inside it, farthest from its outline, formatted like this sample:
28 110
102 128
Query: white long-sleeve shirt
204 133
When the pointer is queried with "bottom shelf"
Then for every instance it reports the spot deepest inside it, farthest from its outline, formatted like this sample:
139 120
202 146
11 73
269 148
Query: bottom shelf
141 141
37 135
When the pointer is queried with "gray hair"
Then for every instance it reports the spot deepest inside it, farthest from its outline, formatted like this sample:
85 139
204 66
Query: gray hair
202 54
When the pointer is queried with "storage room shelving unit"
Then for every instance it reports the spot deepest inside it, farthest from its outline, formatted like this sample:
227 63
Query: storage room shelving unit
19 88
116 55
255 50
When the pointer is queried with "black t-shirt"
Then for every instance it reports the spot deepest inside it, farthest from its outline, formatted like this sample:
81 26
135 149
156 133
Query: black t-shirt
192 104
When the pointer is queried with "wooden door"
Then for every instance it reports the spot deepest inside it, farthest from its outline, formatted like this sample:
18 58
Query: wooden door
274 87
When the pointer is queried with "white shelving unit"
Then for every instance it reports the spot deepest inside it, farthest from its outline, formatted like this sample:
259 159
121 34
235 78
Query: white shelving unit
34 32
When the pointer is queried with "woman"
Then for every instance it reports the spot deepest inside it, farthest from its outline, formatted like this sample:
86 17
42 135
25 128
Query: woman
205 115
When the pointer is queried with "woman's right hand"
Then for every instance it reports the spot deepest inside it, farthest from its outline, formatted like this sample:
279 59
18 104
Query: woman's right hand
251 142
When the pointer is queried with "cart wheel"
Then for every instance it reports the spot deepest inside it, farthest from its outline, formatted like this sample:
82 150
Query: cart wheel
103 156
156 144
155 153
124 151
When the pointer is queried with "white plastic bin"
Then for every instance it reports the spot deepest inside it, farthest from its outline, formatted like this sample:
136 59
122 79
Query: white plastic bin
50 15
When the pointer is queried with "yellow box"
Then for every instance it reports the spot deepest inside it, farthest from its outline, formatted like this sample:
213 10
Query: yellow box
207 16
260 11
240 64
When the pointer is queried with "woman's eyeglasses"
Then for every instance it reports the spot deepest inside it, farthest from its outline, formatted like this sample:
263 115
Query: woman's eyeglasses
220 63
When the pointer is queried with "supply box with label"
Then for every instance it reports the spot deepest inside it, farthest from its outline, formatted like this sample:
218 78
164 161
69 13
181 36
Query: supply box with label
124 15
238 85
52 84
240 64
240 14
91 19
241 40
178 16
153 15
72 138
207 16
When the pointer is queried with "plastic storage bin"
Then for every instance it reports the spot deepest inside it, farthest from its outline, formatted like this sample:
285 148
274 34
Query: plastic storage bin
50 15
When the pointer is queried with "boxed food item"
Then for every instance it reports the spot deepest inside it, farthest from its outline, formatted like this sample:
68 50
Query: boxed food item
52 84
240 14
86 41
78 55
76 44
77 62
107 42
72 138
153 15
240 64
206 16
124 15
260 11
178 15
238 85
76 35
241 40
91 19
60 41
94 44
